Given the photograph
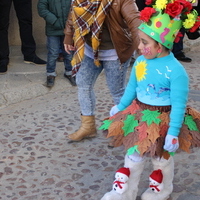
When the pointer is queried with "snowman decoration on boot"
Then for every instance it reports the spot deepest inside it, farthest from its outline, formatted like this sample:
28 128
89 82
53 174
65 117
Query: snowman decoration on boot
120 184
156 181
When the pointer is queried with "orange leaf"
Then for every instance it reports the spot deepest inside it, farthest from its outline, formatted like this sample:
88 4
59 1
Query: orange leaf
164 117
142 129
195 114
165 155
184 144
115 129
143 146
153 132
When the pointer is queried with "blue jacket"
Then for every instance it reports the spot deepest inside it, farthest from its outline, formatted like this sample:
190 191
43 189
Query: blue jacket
55 13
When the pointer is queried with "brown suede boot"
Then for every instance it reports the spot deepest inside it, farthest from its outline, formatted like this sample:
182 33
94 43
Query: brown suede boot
87 129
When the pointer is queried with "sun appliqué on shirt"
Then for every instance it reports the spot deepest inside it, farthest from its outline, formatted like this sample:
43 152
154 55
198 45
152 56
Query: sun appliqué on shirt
141 69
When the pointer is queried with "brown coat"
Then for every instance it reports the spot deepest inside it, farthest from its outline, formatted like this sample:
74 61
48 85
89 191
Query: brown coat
122 21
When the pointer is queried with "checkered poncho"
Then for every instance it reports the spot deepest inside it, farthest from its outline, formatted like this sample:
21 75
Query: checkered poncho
87 16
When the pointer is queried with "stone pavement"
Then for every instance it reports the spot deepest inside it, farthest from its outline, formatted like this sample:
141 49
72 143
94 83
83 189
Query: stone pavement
37 163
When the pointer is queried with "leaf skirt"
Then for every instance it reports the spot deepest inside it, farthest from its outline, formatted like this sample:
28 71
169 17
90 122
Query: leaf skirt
142 128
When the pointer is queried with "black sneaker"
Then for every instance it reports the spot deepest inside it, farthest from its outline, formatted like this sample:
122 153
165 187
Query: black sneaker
71 79
50 81
35 60
4 66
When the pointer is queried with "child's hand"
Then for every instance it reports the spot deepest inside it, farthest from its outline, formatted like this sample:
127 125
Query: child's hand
114 110
171 143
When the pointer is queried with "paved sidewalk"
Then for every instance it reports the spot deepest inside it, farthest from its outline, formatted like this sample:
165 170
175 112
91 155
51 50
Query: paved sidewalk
26 81
37 163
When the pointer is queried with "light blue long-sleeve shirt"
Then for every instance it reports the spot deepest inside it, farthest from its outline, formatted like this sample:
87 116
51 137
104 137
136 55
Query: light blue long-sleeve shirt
159 82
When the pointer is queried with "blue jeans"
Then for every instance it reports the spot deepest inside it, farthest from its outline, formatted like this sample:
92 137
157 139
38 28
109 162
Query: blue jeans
54 43
87 76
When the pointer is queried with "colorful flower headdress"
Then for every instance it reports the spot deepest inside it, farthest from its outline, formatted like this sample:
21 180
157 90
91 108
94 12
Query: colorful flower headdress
175 13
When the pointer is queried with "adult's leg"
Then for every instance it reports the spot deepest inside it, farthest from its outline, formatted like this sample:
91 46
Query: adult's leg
85 80
23 10
116 78
178 49
140 4
5 6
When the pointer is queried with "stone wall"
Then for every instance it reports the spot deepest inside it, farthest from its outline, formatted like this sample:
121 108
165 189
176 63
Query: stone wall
38 27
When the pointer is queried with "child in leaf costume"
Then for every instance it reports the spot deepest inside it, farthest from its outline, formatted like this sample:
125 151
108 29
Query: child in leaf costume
152 118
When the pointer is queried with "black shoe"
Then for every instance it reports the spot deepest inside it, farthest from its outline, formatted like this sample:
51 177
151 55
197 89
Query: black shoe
181 56
35 60
71 79
4 66
50 81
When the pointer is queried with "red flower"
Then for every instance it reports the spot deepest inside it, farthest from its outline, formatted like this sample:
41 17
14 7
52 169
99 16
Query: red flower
148 2
146 13
178 36
174 9
186 4
196 25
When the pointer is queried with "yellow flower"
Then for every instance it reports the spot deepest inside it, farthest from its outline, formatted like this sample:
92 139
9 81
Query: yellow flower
190 21
191 16
161 4
141 70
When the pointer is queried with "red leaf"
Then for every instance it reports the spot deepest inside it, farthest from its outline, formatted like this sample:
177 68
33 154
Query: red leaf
142 129
131 109
163 130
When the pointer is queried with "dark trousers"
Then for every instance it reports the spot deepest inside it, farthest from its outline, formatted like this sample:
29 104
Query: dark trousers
178 47
23 10
140 4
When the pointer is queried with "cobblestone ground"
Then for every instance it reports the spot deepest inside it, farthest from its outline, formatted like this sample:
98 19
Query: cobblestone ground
37 163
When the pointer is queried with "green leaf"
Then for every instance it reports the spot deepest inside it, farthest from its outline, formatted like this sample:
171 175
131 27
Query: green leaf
150 116
132 150
171 153
129 124
189 121
106 124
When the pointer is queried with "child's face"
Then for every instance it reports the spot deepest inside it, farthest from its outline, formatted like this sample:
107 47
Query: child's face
147 46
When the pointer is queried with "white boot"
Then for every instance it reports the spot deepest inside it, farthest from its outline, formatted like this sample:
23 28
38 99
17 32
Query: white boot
136 169
167 167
